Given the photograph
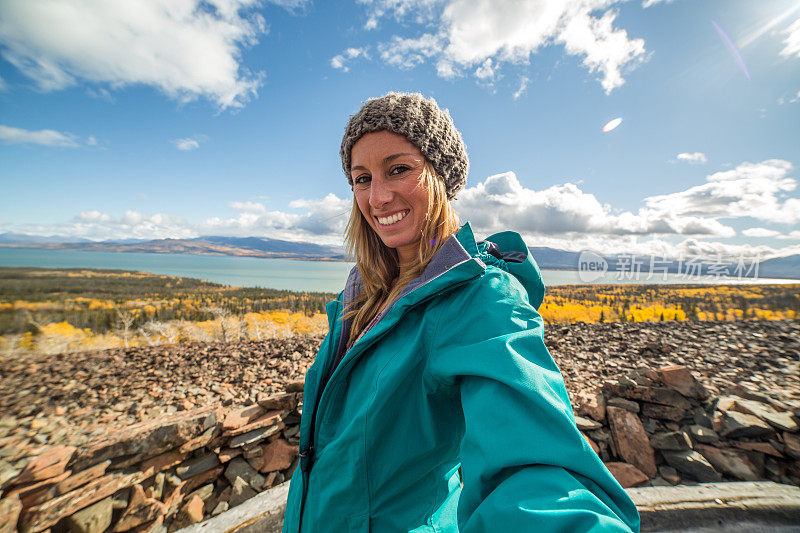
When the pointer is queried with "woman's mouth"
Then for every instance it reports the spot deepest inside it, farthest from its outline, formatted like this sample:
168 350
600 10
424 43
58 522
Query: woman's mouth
393 219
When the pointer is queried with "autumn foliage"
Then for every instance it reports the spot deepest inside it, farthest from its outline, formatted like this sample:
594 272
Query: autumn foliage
65 310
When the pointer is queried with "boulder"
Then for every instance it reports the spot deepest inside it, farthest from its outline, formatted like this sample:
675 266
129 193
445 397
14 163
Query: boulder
692 464
631 440
627 475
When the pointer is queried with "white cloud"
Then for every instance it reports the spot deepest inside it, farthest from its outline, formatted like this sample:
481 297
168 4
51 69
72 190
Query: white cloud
651 3
408 53
749 190
320 220
248 207
760 232
486 71
694 157
790 100
52 138
186 144
523 87
474 31
340 61
792 42
501 202
187 49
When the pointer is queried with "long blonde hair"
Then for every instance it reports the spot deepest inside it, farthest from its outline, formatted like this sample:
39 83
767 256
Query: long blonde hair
379 265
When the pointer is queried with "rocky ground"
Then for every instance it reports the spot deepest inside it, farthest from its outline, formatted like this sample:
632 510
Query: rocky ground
69 398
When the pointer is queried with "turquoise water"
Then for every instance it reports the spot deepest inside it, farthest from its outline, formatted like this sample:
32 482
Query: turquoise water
287 274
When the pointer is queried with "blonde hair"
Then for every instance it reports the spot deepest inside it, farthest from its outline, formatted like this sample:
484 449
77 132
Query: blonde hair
379 265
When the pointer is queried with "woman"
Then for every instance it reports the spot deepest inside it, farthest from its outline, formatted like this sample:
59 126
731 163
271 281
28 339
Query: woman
433 403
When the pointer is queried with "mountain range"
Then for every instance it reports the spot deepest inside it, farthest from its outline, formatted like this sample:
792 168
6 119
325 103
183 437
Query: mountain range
547 258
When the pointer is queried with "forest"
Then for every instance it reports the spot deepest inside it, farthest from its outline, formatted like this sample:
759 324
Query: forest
62 310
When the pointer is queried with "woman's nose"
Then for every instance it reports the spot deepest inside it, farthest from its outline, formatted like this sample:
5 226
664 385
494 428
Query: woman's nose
380 193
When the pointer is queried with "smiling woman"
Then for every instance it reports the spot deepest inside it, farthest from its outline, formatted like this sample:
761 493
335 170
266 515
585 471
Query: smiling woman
433 403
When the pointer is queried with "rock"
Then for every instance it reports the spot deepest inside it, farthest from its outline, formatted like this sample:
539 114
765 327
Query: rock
10 508
692 464
51 463
750 407
631 440
673 440
145 439
762 447
93 519
229 453
140 510
220 508
782 421
295 386
7 473
159 463
199 442
241 492
591 443
269 419
278 455
255 436
197 465
586 424
592 404
679 378
81 478
663 412
701 417
157 490
204 492
630 405
627 475
239 468
734 424
703 434
191 513
657 395
791 445
40 517
730 462
287 402
669 474
241 416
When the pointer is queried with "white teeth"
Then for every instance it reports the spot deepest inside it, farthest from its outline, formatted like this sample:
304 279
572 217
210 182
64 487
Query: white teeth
392 219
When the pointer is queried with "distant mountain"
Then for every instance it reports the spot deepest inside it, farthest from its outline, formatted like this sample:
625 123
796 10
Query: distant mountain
547 258
209 245
781 267
274 245
22 238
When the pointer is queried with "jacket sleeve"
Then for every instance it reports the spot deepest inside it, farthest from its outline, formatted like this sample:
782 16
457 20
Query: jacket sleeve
525 465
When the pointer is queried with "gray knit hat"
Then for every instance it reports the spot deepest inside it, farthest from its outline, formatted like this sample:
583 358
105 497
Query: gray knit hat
422 122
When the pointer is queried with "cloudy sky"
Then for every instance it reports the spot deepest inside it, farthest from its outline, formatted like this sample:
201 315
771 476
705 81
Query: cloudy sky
181 118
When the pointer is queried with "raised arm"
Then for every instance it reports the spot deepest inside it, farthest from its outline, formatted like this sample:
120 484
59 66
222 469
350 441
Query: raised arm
525 465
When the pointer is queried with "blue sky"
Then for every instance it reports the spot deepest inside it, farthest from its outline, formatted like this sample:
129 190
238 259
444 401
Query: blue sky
179 118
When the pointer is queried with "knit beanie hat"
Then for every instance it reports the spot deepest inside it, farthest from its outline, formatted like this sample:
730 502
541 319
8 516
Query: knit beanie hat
423 123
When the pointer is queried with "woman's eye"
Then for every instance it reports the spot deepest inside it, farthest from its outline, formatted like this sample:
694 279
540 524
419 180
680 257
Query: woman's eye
399 169
364 178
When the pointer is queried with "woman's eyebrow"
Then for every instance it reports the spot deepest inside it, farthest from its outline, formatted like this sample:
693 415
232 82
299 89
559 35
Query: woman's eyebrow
385 160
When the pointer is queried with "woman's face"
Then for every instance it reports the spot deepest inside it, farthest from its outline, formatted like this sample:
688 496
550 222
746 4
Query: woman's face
386 170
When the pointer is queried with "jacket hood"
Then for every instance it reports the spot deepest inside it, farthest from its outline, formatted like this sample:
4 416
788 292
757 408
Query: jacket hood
505 250
508 251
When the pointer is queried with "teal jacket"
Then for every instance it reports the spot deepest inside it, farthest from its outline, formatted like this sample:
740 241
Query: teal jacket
454 373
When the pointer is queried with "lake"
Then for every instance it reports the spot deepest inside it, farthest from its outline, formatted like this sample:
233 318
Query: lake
286 274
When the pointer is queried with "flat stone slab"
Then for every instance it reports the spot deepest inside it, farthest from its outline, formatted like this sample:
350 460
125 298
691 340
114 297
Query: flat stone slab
260 514
719 507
